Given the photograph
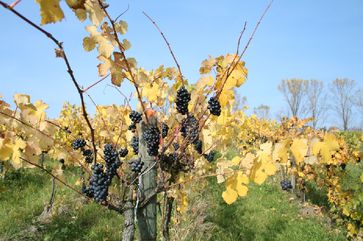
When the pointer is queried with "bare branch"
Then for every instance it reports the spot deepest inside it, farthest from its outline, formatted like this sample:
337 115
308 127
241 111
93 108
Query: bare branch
127 9
97 82
169 47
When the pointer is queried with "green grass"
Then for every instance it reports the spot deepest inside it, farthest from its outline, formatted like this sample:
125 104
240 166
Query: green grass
265 214
23 196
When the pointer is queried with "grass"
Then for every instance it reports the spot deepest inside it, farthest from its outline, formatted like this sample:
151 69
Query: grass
265 214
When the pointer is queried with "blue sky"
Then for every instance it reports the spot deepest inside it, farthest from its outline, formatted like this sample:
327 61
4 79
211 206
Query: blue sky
303 39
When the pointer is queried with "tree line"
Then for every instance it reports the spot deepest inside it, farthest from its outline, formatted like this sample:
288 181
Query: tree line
342 97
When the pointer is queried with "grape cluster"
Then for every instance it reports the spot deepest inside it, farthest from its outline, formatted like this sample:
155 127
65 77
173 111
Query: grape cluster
123 152
101 179
135 144
135 116
210 156
132 127
190 128
136 165
182 100
78 143
111 159
285 185
171 163
164 130
152 139
98 184
88 154
198 146
214 106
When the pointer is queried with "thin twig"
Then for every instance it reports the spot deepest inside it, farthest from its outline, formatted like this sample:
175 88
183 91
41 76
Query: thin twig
123 95
127 9
12 5
69 69
97 82
168 44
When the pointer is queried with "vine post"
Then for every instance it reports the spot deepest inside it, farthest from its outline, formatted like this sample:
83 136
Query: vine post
147 215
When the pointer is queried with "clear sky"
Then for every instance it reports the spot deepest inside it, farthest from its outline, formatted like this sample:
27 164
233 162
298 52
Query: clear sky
304 39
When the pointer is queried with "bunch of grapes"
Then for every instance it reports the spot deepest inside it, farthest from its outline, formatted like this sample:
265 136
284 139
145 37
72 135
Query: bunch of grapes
78 143
214 106
136 165
190 128
182 100
152 139
198 146
132 127
135 144
164 130
112 160
123 152
210 156
285 185
135 116
171 163
88 154
98 184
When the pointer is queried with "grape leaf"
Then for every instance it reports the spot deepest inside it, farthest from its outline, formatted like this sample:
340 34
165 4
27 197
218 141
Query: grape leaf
50 11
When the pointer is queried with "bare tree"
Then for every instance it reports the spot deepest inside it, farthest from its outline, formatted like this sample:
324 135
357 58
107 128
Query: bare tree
343 92
262 111
315 101
294 91
359 103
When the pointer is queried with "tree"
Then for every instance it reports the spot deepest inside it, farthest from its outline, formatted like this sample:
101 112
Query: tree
342 96
315 101
262 111
359 102
294 91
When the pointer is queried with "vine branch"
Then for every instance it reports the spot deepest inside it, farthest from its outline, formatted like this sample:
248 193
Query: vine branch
168 44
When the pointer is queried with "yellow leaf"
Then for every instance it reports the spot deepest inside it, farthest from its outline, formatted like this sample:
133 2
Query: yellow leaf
126 44
104 67
121 27
6 149
81 14
280 152
229 196
269 168
299 149
259 177
236 160
242 178
104 47
242 190
95 11
89 44
50 11
21 100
